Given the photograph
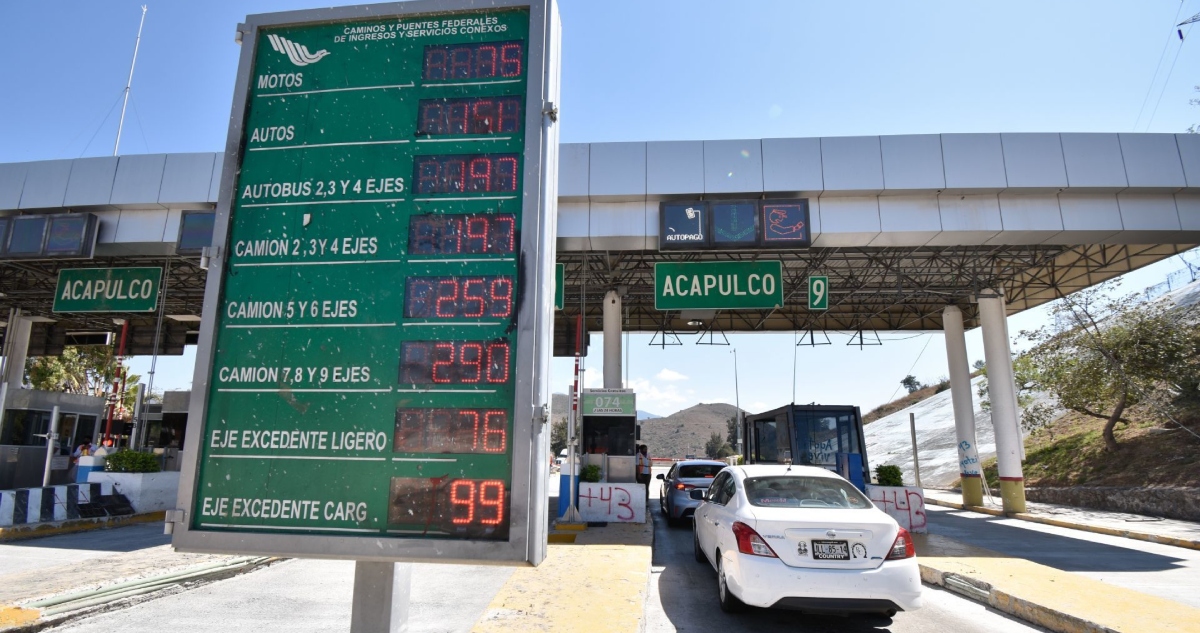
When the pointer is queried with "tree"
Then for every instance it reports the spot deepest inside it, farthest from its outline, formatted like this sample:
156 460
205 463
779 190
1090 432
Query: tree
558 436
979 365
86 370
1112 353
716 447
1194 129
731 430
911 383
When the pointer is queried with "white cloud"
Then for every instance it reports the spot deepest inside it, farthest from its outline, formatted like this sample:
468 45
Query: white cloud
593 378
667 374
663 401
759 405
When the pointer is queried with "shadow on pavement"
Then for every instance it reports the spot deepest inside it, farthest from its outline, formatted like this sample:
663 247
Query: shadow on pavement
128 538
1053 550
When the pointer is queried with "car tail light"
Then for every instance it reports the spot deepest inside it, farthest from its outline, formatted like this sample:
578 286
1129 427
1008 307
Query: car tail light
679 485
903 547
749 542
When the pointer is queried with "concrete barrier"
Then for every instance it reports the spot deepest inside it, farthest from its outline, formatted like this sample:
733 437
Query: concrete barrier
47 505
147 492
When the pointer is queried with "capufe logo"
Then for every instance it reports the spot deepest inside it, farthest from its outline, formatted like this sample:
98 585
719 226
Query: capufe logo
298 53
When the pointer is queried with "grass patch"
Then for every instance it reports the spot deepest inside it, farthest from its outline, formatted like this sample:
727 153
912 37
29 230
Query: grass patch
1070 452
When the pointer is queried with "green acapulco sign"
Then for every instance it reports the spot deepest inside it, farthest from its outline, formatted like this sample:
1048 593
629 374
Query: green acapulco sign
107 290
718 285
608 402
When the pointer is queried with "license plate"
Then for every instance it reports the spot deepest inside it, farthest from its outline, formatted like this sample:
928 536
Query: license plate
831 550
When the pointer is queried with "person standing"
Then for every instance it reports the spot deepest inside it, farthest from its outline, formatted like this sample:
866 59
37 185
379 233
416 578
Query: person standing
643 469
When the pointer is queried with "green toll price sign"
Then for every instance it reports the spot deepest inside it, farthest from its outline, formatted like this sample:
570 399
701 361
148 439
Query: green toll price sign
362 381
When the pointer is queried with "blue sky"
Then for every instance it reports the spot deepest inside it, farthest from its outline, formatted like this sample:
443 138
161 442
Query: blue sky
667 71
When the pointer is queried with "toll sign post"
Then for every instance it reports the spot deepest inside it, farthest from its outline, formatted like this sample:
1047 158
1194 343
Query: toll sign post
371 378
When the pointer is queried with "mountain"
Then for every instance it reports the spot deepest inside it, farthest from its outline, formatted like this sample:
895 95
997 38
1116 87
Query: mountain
685 432
646 415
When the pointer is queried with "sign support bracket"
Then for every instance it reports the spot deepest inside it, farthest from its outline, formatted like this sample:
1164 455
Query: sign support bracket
382 592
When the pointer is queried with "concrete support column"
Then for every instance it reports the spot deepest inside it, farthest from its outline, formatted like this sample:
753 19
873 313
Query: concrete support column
612 340
964 407
1002 393
17 345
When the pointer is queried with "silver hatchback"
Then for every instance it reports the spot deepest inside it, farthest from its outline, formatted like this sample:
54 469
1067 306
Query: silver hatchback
684 477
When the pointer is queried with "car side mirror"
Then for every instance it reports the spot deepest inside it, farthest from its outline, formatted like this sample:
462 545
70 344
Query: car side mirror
659 476
698 495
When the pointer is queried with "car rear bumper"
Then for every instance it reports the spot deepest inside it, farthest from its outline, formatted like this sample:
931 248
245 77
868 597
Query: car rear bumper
767 582
681 506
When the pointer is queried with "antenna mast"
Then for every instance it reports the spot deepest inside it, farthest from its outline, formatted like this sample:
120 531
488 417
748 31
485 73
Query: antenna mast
121 125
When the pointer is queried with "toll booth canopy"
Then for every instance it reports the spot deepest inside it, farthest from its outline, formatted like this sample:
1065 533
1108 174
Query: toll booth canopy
812 435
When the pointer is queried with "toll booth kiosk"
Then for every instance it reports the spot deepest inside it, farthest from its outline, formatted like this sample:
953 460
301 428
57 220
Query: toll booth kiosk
608 437
830 436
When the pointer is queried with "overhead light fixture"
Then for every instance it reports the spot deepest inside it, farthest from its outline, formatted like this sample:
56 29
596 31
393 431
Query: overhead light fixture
695 323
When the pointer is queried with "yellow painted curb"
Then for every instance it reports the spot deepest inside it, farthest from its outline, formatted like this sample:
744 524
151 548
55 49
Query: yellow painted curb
570 527
561 538
39 530
1095 529
1060 601
16 616
599 588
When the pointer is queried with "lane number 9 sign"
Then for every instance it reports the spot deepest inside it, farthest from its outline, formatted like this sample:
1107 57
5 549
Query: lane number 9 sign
818 292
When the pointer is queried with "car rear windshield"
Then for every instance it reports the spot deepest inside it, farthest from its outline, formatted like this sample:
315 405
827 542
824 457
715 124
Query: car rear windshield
698 471
803 492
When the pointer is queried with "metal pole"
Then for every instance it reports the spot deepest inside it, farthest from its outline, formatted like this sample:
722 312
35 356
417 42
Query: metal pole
117 387
912 427
134 437
737 399
51 436
129 82
162 308
381 597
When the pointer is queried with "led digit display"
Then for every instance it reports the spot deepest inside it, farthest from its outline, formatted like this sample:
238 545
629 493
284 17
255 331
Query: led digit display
473 234
489 297
472 508
465 173
455 362
481 115
492 60
451 431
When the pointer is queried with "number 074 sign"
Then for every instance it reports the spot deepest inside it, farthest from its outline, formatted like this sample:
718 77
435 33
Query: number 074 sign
608 402
818 292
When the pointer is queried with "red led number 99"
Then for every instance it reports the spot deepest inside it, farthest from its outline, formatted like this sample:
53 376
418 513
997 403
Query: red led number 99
476 502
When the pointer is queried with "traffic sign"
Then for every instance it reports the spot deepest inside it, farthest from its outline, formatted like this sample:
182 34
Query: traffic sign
560 290
376 348
608 402
818 292
718 285
107 289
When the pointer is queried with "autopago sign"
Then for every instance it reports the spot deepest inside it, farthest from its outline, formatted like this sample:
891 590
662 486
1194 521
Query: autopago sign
374 346
107 289
609 402
718 285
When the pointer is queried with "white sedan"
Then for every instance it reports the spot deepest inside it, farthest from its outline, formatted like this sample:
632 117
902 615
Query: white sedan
801 537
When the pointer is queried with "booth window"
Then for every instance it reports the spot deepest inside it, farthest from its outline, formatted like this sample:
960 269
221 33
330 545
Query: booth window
22 426
195 231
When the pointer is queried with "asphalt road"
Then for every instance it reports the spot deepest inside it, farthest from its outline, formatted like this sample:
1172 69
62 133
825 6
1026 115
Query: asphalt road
1151 568
683 597
53 551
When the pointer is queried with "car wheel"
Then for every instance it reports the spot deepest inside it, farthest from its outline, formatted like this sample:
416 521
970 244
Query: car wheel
729 602
696 551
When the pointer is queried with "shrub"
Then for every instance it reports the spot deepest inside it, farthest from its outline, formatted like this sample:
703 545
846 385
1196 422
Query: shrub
888 476
590 473
127 461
